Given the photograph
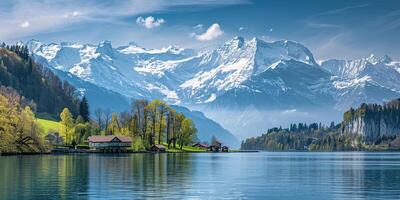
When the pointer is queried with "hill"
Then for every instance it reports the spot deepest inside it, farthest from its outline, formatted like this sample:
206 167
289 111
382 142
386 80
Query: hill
40 85
48 125
368 127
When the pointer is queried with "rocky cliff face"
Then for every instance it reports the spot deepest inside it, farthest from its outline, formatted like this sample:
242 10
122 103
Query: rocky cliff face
373 122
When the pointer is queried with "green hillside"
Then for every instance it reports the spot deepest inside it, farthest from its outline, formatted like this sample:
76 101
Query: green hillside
48 125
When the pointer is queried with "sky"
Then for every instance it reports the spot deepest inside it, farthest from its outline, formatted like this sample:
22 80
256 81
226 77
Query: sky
346 29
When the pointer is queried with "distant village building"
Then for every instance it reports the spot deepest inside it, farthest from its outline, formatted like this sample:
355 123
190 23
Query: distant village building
54 139
216 146
110 143
158 148
201 145
224 149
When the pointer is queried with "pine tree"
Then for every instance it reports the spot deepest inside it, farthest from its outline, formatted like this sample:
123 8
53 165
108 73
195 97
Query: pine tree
84 109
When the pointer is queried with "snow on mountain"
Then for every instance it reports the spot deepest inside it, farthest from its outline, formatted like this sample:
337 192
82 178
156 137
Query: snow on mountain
369 79
234 63
238 73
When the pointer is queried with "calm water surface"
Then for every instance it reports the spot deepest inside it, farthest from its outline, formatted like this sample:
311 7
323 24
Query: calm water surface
264 175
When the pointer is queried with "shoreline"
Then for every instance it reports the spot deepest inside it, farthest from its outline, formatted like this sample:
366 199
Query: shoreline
80 151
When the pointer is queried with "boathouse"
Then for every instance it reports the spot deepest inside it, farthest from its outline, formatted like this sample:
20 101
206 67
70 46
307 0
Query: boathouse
110 143
216 146
158 148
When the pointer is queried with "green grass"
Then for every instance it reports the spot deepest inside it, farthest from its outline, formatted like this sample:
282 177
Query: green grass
48 125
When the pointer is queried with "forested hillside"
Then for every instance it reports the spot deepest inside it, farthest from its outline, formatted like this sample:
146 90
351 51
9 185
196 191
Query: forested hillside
27 89
373 122
49 94
369 127
301 137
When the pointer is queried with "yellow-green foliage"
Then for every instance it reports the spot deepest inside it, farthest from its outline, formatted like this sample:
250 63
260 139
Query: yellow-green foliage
17 126
48 125
348 115
66 125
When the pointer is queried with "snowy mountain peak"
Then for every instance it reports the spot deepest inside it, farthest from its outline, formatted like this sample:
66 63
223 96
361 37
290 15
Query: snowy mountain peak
106 44
133 44
372 59
236 42
239 72
385 59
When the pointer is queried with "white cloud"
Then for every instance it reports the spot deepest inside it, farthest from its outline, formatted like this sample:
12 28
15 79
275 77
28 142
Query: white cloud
150 22
212 32
72 14
198 27
242 28
49 16
322 25
25 24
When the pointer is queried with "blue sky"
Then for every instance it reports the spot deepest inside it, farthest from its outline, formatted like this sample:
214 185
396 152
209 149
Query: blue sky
331 29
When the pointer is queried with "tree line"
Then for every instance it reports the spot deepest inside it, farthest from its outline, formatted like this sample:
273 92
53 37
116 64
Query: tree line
147 123
317 137
299 136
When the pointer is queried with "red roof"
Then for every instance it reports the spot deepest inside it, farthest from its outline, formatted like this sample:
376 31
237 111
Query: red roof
201 145
110 138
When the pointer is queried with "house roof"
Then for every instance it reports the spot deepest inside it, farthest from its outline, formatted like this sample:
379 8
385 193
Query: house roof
159 146
201 145
99 139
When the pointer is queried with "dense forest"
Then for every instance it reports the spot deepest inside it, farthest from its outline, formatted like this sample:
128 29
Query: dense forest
300 137
374 122
50 94
369 127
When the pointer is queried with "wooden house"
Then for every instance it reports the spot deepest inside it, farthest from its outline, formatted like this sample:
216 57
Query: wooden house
158 148
216 146
54 139
110 143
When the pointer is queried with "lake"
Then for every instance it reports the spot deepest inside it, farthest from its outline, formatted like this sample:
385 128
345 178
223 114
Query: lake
263 175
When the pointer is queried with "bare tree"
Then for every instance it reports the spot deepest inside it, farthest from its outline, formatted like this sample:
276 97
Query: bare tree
107 118
124 119
99 117
139 109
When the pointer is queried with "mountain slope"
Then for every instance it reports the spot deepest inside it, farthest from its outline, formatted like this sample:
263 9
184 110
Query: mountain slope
183 77
208 128
49 93
371 80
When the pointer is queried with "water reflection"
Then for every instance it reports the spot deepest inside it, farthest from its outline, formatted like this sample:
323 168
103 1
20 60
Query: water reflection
346 175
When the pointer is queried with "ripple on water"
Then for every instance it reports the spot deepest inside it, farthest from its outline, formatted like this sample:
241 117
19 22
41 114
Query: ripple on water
264 175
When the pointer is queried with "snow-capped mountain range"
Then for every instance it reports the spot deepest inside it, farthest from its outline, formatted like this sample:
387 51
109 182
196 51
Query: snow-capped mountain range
281 74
